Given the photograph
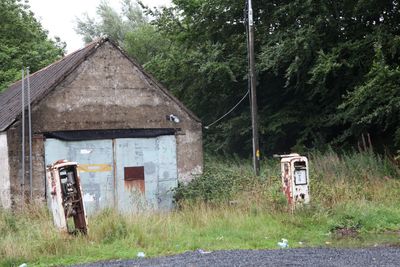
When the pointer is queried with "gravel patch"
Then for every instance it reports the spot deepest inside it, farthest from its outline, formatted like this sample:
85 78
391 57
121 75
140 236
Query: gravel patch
380 256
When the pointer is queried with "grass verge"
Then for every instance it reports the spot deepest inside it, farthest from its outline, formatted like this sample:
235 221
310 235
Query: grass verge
354 203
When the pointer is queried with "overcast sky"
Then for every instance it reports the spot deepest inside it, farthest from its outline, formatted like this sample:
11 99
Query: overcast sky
58 16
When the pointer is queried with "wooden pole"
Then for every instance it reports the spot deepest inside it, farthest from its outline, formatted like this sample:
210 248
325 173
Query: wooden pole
252 76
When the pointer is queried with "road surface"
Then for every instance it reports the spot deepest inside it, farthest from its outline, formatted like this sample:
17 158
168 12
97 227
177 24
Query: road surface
378 256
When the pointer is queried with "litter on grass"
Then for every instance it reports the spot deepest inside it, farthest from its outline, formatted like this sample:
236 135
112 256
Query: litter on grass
141 254
283 243
203 251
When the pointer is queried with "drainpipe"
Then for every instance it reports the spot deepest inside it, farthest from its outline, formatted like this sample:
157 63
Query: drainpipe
30 134
23 134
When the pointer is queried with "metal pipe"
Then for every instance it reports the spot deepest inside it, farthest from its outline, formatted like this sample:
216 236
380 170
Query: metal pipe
30 134
23 134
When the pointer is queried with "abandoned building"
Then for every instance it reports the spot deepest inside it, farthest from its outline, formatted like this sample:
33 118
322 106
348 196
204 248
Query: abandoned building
132 139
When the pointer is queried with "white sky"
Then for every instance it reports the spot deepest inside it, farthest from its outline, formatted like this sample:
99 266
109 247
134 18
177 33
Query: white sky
58 16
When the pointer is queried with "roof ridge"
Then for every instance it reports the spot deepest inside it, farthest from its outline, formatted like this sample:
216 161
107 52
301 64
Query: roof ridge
96 41
46 79
41 82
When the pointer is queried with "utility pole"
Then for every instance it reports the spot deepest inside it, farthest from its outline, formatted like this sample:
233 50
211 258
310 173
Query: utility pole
253 103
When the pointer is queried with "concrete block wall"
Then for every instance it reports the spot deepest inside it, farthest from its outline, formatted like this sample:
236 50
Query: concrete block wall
106 92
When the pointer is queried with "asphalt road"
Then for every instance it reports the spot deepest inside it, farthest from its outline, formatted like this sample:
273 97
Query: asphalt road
380 256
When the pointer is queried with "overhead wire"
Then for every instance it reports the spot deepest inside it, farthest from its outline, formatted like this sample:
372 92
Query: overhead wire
232 109
248 83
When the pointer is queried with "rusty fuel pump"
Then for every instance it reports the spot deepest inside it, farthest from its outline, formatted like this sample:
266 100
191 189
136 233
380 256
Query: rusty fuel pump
295 181
65 197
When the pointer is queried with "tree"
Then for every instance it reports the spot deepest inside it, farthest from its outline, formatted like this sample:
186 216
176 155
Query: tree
327 70
206 66
323 50
374 105
129 28
23 42
314 60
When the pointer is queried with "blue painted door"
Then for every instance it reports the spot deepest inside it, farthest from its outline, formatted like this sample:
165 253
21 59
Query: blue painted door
54 150
156 158
167 171
131 174
95 160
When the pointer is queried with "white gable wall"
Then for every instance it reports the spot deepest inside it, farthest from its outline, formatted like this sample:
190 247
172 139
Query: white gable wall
5 196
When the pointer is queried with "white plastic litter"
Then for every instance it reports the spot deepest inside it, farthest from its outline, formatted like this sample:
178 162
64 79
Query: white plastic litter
203 251
283 243
23 265
141 255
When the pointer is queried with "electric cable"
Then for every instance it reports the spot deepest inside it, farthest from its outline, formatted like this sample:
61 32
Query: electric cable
232 109
248 80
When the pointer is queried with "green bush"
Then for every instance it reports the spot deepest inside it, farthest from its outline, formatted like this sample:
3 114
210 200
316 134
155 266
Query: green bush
334 179
221 182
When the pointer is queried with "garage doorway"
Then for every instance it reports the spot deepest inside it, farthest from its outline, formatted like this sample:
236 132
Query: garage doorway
127 174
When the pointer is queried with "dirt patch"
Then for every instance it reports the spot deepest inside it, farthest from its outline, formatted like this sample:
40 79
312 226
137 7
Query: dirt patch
345 232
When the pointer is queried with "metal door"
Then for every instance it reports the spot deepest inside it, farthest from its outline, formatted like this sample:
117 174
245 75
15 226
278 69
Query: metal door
167 171
54 150
95 160
146 173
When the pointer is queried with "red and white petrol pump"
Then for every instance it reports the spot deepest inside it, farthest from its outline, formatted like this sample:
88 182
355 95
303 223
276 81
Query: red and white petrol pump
295 180
65 197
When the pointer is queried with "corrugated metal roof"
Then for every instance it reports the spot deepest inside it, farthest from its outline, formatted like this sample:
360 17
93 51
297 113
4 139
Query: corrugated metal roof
41 83
46 79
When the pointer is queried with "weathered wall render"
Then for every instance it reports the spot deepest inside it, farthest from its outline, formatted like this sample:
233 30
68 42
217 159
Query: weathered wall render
106 92
5 194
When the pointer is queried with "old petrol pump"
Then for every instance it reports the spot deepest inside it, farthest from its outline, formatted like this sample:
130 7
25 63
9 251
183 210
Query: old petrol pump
295 182
65 197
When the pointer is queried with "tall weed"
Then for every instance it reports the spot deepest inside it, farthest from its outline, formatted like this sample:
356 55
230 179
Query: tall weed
227 207
334 179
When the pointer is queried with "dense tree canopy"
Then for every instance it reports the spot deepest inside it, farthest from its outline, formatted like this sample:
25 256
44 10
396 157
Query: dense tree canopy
130 28
328 71
23 42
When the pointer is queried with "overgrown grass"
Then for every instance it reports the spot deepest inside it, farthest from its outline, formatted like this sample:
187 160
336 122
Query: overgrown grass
226 208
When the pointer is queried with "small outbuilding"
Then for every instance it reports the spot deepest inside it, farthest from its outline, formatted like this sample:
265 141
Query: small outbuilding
132 138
